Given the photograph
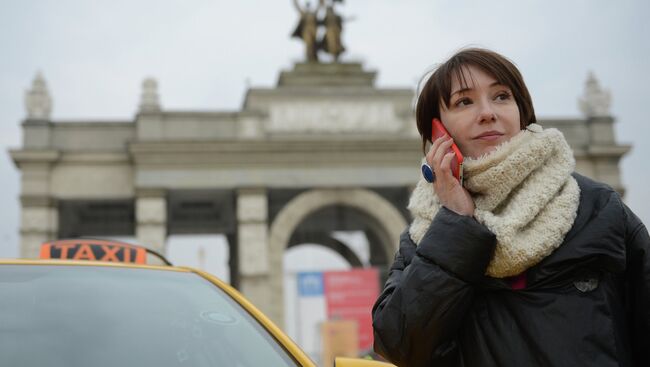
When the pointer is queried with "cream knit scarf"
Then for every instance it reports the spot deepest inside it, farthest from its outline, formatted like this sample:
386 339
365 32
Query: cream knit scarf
523 192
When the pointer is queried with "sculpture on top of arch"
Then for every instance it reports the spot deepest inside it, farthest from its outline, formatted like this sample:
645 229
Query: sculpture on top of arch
319 28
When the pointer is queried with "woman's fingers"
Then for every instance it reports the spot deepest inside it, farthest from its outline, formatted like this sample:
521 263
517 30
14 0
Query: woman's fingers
444 177
445 164
443 148
433 150
440 153
447 188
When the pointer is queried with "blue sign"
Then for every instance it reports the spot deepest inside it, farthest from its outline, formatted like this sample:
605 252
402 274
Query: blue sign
310 284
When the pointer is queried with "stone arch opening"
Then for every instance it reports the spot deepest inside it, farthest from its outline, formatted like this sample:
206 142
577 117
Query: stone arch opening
325 239
373 211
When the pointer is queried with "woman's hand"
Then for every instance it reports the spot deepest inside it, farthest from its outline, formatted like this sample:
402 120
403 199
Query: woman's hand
450 192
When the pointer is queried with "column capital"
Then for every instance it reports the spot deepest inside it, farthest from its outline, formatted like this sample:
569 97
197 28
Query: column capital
150 193
38 201
44 157
151 210
252 190
252 205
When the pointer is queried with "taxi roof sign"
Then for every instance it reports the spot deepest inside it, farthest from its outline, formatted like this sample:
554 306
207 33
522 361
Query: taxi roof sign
94 250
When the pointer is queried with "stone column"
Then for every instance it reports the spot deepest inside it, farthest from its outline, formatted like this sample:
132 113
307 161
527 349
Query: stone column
151 219
601 130
39 218
252 246
38 224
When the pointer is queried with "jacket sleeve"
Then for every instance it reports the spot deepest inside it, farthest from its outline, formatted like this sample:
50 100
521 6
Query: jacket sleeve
638 279
429 291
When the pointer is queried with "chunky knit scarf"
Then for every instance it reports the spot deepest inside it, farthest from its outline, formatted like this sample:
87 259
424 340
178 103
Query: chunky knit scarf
523 192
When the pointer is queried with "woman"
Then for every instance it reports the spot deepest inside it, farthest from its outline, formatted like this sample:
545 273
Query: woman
526 263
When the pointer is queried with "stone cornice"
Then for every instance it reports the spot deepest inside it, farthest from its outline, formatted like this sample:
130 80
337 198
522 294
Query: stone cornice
66 128
560 121
601 151
601 119
359 93
36 122
614 151
327 74
92 124
284 152
38 201
56 156
95 157
46 156
211 114
216 115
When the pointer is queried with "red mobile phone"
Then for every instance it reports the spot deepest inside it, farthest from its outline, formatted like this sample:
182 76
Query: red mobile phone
438 130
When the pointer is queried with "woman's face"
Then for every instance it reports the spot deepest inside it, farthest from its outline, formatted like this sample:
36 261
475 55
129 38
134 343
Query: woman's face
481 115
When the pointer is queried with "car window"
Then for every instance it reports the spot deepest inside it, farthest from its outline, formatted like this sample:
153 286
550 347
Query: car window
105 316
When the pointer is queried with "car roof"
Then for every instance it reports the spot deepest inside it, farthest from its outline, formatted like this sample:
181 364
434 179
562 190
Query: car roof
94 263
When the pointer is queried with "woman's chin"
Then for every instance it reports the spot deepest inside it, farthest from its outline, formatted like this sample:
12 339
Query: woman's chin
481 151
481 147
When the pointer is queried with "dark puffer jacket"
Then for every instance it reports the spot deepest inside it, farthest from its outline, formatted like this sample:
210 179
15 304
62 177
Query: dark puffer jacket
586 304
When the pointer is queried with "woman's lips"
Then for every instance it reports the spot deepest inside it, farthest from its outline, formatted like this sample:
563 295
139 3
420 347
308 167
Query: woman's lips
490 135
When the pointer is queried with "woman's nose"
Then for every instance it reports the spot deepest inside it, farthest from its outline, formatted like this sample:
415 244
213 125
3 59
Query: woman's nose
486 113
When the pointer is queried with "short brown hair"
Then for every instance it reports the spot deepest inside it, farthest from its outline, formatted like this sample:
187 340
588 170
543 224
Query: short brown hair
437 88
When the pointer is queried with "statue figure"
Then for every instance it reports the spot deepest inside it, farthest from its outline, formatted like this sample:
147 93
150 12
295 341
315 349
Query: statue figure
306 29
331 42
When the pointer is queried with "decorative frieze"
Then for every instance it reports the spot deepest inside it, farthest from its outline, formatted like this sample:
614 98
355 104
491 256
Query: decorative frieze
333 117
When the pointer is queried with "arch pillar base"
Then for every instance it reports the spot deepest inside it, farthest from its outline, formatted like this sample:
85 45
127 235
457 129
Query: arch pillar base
257 289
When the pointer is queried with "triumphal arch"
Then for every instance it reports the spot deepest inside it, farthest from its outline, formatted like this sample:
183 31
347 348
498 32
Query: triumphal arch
325 149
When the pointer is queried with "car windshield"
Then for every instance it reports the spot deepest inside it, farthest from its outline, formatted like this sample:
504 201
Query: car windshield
107 316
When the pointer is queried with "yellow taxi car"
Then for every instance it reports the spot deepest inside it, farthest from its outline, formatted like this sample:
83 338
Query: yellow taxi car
123 312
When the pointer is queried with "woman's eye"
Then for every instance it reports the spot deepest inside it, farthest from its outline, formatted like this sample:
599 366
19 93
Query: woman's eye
502 96
463 102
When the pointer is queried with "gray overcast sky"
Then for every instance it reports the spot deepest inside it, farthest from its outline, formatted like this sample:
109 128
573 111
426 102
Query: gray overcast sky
94 55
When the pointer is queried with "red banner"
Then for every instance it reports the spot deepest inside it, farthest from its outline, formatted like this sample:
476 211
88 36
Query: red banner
349 295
